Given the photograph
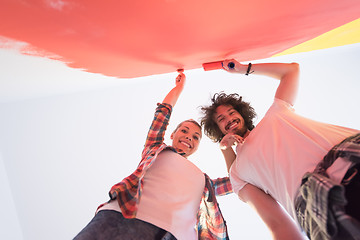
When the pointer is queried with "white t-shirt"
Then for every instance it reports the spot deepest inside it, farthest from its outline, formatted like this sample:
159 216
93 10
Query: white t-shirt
281 149
171 195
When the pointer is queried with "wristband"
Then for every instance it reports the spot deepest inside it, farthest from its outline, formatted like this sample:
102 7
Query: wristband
248 71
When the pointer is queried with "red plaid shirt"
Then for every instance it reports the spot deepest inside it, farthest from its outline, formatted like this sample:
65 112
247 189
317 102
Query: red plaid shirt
211 224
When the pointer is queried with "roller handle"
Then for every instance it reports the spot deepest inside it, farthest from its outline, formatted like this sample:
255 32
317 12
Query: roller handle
217 65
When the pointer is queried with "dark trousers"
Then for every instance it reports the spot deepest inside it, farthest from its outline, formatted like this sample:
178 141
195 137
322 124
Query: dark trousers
111 225
351 183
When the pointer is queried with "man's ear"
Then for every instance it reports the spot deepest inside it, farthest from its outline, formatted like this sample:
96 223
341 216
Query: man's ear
172 136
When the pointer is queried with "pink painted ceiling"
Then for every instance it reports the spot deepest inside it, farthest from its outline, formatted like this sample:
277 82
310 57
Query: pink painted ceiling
136 38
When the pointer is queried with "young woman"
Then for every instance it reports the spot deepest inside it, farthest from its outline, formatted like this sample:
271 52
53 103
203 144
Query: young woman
167 196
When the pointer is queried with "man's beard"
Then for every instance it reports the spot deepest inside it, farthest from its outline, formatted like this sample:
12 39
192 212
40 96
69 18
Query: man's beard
242 131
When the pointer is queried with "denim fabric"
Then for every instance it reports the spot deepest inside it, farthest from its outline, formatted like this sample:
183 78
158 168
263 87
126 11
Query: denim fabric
111 225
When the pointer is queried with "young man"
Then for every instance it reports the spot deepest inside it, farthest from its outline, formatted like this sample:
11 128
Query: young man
167 195
272 160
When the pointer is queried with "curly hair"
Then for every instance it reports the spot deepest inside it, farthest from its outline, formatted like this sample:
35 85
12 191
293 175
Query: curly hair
211 128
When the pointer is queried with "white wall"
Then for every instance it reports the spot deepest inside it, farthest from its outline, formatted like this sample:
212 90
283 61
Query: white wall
62 154
9 222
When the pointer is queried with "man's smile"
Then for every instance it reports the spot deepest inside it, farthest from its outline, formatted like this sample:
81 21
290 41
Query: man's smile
232 124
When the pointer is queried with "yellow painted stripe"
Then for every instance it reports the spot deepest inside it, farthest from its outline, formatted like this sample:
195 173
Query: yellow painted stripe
346 34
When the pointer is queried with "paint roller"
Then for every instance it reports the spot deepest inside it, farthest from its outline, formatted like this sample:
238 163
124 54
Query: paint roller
217 65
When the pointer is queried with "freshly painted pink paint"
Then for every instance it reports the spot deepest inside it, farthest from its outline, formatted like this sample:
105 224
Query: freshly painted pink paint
145 37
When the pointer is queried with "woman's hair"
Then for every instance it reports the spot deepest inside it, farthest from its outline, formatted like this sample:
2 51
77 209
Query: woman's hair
189 120
211 128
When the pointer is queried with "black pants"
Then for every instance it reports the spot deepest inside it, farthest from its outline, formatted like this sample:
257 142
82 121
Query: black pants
111 225
352 191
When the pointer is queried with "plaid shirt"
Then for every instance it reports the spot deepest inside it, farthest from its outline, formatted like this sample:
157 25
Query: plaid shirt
320 202
211 224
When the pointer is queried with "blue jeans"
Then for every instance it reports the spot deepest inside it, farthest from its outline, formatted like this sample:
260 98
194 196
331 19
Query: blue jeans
111 225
